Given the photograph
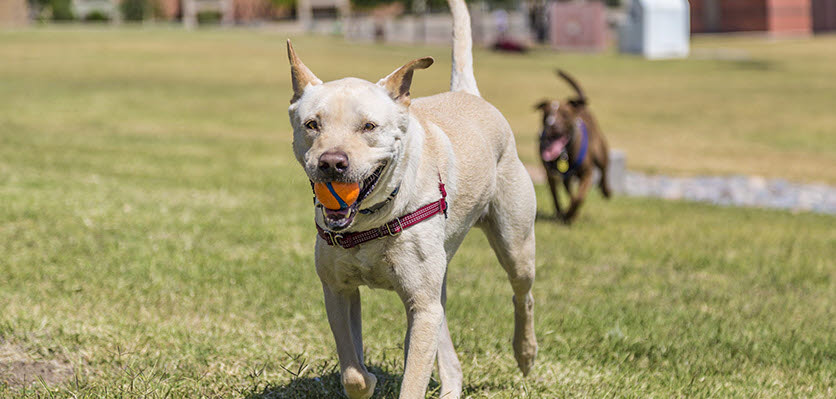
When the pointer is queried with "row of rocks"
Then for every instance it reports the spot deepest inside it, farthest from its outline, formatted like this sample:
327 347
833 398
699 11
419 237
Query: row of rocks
734 191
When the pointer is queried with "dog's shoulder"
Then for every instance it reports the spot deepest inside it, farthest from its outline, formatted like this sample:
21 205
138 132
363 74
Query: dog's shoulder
591 122
463 117
448 99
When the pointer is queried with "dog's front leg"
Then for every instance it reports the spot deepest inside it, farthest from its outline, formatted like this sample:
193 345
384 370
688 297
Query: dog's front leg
420 346
420 291
558 213
578 197
344 316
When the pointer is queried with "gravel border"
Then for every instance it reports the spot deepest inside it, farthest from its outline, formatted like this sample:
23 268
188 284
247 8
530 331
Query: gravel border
750 191
738 190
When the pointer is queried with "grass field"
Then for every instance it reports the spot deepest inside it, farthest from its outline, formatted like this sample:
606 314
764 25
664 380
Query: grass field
156 234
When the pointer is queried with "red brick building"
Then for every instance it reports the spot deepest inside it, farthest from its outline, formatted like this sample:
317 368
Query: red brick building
244 10
780 17
824 15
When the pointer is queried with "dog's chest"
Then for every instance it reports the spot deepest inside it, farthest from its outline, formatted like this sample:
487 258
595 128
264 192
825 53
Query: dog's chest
364 267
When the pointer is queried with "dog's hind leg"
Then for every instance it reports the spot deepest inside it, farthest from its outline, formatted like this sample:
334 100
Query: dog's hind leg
509 226
344 317
449 368
604 184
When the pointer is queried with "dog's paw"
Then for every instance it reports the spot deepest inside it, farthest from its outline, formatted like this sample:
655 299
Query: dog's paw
357 384
525 352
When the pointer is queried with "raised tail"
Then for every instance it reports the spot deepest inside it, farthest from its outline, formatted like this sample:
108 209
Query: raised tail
462 78
581 98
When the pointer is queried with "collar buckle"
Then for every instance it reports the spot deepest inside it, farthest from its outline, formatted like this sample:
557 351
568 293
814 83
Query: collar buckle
398 230
335 238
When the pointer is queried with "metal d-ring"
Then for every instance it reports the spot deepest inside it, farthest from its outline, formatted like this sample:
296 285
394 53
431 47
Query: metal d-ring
334 238
400 228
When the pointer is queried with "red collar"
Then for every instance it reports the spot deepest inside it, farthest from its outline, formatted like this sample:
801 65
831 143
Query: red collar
393 228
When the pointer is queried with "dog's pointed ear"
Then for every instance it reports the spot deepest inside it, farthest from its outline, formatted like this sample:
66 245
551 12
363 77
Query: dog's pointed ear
577 102
542 105
299 74
398 82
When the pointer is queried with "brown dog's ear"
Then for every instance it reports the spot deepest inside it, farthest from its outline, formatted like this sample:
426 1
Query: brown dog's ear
299 74
398 82
577 103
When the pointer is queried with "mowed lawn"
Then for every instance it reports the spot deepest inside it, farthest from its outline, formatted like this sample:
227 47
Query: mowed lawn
156 233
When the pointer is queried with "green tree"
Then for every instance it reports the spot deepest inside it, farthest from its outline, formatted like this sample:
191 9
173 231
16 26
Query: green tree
135 10
62 10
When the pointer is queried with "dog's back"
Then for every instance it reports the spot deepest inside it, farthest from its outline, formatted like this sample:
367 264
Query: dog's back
482 140
479 136
476 127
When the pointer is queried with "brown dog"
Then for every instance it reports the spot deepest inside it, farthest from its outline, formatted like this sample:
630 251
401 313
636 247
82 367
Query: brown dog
571 146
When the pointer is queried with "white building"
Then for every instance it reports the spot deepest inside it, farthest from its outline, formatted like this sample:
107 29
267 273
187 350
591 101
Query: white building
657 29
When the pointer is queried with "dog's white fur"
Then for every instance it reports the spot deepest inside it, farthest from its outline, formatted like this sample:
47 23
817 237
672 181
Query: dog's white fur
455 136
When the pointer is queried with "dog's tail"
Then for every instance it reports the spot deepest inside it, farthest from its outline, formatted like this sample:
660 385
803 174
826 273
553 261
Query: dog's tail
581 98
462 78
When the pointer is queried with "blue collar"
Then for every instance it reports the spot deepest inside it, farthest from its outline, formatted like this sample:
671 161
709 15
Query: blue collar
582 155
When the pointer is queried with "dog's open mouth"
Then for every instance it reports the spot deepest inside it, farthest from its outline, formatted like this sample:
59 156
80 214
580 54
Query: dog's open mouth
339 219
552 151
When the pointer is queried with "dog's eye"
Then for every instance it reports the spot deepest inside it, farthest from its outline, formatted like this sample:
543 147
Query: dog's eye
369 126
312 125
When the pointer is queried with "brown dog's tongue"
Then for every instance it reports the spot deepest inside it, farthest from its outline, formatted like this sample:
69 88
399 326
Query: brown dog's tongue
554 149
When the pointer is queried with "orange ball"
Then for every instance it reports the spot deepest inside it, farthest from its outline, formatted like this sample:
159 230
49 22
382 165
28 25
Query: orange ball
336 195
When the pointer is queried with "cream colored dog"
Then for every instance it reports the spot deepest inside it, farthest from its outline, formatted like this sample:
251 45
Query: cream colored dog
401 151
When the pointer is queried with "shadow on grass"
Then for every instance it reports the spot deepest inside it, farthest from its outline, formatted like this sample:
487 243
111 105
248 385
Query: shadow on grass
548 217
327 386
753 64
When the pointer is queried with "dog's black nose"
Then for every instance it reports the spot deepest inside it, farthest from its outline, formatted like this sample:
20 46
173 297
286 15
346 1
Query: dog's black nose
333 161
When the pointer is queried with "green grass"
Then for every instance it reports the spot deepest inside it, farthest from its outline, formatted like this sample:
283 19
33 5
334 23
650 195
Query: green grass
156 233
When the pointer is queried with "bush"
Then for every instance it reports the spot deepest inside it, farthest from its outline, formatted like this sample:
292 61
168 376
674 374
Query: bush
62 10
208 17
135 10
96 16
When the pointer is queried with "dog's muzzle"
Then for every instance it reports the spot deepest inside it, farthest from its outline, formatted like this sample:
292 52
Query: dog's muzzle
340 219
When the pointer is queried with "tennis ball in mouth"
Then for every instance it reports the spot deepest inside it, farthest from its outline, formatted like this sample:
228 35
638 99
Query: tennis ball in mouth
336 195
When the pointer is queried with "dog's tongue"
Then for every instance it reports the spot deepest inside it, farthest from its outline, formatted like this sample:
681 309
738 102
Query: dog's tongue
554 149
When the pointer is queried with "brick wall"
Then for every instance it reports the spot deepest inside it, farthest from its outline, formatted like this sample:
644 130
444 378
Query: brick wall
13 13
252 10
578 26
697 19
773 16
244 10
168 9
743 15
824 15
790 16
728 15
